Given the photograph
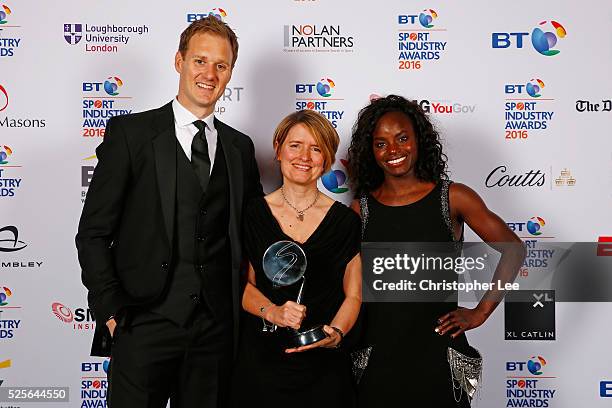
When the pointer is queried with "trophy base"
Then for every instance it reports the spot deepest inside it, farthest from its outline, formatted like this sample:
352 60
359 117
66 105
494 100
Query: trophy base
307 337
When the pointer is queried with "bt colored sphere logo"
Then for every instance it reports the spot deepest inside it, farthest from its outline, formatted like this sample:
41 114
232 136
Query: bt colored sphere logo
534 87
325 87
334 180
426 17
545 41
535 224
62 312
535 365
5 152
112 84
4 12
5 293
218 13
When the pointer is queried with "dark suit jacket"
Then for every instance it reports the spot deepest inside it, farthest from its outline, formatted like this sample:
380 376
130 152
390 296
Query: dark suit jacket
125 234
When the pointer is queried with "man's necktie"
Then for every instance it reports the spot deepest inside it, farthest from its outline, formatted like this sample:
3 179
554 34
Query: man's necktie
200 160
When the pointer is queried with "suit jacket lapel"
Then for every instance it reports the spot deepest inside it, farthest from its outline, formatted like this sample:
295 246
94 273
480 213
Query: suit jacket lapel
164 148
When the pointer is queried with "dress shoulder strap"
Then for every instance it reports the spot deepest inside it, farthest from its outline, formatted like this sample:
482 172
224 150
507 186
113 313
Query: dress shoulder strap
363 209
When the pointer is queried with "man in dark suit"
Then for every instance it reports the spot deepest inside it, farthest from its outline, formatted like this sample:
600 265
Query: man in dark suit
159 236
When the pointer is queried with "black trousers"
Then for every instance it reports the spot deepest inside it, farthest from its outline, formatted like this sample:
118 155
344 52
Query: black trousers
154 360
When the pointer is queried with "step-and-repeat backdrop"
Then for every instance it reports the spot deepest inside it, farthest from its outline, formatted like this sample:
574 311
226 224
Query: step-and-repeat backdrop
520 92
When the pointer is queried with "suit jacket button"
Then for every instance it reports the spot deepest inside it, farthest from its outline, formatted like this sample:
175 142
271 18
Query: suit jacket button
201 238
203 212
201 268
164 265
195 298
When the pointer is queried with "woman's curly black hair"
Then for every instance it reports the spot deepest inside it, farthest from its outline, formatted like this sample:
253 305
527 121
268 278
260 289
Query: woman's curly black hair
364 173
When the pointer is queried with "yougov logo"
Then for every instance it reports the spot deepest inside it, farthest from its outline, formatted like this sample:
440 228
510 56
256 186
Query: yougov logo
544 38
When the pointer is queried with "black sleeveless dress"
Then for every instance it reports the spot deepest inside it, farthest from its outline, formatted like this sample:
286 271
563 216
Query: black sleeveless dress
408 365
267 376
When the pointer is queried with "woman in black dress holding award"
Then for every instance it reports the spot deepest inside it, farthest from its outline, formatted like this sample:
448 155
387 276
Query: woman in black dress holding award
420 355
269 370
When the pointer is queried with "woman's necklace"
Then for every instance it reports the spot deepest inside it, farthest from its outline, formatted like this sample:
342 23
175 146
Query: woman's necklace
300 213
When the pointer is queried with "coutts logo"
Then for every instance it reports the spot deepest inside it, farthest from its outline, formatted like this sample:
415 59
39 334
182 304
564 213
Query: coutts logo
500 177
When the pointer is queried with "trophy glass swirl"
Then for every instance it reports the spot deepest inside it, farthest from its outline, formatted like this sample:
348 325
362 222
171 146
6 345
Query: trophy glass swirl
284 264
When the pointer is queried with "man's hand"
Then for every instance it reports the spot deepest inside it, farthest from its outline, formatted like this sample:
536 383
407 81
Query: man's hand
111 324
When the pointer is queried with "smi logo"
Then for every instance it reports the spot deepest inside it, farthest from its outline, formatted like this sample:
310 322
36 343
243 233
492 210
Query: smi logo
62 312
544 38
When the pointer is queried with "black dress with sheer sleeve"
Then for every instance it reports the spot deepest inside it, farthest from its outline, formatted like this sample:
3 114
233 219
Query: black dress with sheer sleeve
264 373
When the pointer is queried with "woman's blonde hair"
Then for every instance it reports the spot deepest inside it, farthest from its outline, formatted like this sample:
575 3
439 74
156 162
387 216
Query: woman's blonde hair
322 130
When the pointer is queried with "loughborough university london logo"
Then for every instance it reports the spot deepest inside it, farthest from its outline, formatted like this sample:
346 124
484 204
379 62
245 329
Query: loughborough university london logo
73 33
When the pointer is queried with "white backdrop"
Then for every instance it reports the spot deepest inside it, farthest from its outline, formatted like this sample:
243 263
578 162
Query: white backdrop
468 71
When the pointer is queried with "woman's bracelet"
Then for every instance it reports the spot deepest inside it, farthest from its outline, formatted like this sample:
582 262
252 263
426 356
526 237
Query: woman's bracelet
340 332
267 327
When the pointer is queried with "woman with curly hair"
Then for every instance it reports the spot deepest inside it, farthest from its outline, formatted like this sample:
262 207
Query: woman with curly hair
403 194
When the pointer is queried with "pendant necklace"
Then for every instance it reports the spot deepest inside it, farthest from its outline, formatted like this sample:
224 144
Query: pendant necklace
300 213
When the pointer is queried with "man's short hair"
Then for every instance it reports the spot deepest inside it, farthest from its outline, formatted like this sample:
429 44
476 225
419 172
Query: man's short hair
213 25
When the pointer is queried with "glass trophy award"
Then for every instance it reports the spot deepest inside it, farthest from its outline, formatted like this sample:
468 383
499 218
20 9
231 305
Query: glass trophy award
284 264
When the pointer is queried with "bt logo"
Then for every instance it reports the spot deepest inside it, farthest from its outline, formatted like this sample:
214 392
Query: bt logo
5 152
95 366
605 389
334 180
110 86
324 87
533 88
5 293
4 12
218 13
534 365
426 17
542 41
